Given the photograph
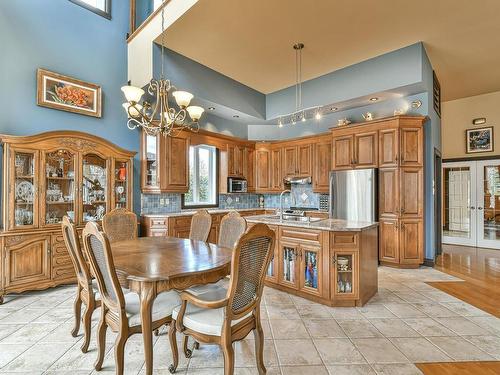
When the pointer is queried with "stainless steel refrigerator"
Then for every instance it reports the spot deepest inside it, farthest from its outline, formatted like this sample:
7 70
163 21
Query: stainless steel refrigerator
353 194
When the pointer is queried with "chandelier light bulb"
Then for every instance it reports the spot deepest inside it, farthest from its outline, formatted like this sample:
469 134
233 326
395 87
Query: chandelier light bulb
182 98
318 116
132 94
134 111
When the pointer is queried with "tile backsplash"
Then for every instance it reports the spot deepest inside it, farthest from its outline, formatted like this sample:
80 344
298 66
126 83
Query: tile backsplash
301 196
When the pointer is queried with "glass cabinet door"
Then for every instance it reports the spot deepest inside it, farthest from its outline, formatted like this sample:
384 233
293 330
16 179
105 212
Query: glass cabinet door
59 192
94 187
289 264
23 189
150 157
310 269
345 274
121 181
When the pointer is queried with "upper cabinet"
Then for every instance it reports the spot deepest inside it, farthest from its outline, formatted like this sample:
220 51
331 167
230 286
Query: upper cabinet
412 145
322 161
357 150
388 147
276 169
56 174
262 167
342 152
297 160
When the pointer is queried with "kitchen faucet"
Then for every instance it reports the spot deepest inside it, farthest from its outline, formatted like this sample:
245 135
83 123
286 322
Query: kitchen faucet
281 202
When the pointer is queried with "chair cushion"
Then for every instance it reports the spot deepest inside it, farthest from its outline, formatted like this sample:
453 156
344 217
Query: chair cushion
163 305
207 321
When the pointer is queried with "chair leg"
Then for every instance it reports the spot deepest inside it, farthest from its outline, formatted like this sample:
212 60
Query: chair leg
228 352
101 341
172 337
121 340
259 348
77 306
187 352
87 324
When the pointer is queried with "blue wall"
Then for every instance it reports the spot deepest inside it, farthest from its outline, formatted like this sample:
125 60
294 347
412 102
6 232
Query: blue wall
63 37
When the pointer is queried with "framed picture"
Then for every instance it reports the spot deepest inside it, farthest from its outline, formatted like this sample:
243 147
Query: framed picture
68 94
479 140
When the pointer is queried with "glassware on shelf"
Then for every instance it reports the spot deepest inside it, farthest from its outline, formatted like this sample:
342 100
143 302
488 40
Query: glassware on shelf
24 188
121 185
94 183
289 264
311 269
344 273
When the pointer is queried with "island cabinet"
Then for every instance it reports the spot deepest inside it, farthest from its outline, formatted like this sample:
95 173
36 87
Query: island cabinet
396 146
45 177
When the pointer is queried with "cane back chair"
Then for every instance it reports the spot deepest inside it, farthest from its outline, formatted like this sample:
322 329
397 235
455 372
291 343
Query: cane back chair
200 226
120 224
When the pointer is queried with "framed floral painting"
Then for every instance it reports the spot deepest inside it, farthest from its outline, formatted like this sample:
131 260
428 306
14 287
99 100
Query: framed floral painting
479 140
68 94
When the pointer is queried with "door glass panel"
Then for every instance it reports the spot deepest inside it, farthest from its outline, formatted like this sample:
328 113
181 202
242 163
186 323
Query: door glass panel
94 187
151 161
311 269
457 195
24 193
121 178
491 185
289 264
60 185
344 264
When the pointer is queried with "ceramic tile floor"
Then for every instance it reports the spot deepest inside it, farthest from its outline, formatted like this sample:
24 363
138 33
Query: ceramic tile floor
407 322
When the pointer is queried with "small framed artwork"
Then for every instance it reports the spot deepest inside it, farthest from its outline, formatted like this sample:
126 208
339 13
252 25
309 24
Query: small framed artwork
479 140
68 94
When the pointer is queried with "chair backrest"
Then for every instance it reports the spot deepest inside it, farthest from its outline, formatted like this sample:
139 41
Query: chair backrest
120 224
200 226
98 250
232 227
72 242
250 261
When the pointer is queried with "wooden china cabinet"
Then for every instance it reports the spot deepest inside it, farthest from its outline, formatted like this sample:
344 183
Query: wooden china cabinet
45 177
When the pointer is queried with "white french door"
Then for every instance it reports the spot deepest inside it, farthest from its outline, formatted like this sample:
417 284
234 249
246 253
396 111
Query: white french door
471 203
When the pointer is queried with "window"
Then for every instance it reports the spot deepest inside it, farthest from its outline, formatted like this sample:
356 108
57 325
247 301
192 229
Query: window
202 178
101 7
157 3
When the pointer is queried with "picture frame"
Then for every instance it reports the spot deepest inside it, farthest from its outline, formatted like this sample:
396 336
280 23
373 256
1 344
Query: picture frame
69 94
479 140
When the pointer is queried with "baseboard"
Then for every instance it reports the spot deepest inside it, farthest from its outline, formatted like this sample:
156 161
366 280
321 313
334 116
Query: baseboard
429 262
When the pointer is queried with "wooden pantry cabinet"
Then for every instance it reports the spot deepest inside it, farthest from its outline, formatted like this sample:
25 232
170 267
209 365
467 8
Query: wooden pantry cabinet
396 146
46 177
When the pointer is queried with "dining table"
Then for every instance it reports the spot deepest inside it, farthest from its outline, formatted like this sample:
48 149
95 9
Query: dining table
153 265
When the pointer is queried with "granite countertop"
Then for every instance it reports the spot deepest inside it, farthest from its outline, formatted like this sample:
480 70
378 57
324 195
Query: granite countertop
210 210
332 225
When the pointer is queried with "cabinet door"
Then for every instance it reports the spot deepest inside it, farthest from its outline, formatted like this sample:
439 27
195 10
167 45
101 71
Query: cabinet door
388 148
322 166
94 190
122 189
263 169
288 264
150 161
290 161
389 241
345 276
27 260
366 150
411 192
342 151
23 189
304 161
412 146
276 170
411 246
272 271
311 276
388 192
249 169
231 166
59 187
177 174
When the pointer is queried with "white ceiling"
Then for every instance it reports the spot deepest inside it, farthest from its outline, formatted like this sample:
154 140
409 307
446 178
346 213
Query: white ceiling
251 41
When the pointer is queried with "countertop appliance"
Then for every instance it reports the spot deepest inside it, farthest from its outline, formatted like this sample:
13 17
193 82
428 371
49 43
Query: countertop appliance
353 194
236 185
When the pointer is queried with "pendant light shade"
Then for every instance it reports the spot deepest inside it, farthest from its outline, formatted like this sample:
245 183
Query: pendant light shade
195 112
132 94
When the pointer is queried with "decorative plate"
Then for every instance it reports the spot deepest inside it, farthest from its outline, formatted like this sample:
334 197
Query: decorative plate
120 189
24 191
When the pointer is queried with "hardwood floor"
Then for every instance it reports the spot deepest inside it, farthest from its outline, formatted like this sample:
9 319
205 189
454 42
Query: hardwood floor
460 368
480 268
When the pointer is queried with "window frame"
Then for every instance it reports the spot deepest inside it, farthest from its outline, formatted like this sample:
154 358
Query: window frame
216 204
104 13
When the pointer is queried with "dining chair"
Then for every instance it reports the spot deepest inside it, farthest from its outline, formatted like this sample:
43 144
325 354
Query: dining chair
120 224
232 227
119 311
200 226
213 318
86 288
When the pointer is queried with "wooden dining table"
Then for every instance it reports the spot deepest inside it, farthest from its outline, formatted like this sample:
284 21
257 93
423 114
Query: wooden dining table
153 265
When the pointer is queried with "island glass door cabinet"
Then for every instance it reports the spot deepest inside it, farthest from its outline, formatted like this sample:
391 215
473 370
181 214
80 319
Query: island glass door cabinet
46 177
471 203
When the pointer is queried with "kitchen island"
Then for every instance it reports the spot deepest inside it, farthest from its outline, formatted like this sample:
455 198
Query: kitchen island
333 262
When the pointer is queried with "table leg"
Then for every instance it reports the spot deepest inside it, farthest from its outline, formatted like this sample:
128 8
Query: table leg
147 296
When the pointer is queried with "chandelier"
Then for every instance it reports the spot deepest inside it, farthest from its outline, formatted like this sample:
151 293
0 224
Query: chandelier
300 114
161 118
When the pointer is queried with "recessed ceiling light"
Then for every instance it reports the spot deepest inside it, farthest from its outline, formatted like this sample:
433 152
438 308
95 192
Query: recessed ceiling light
236 116
211 108
333 109
373 99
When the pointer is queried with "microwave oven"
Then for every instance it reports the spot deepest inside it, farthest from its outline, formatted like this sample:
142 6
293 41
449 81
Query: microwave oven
236 185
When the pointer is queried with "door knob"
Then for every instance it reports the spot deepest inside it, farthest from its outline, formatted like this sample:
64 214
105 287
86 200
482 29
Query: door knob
479 208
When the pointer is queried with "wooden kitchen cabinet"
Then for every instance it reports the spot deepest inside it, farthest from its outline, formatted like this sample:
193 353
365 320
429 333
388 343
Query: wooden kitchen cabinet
276 170
249 168
322 165
389 241
262 168
311 269
411 192
288 270
342 152
388 179
388 148
297 160
365 150
235 157
411 241
345 284
412 145
176 176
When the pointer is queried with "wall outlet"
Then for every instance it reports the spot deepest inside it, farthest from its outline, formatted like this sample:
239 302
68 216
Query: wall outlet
237 199
167 201
162 202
